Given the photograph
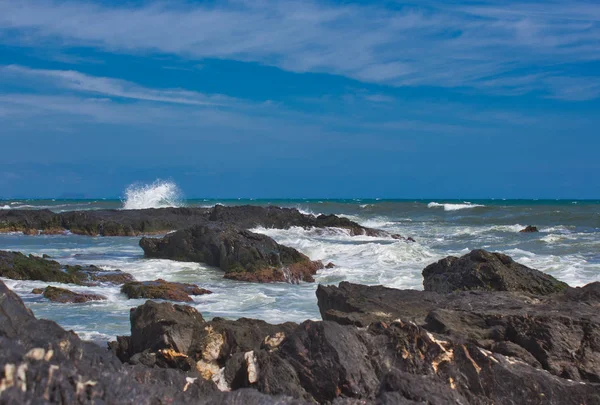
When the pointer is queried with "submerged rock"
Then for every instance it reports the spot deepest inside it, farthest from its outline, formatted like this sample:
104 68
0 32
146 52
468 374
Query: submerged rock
241 254
17 266
529 229
62 295
161 289
482 270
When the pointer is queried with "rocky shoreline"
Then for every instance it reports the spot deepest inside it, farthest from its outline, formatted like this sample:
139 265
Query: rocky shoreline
485 330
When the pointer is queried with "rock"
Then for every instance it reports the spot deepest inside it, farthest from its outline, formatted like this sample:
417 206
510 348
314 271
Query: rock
161 289
42 363
482 270
234 251
529 229
62 295
330 265
162 220
17 266
37 291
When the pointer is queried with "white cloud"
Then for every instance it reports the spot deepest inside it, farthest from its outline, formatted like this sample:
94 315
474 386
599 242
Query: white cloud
81 82
435 43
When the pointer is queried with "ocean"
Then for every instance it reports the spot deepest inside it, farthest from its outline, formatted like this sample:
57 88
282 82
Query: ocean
567 246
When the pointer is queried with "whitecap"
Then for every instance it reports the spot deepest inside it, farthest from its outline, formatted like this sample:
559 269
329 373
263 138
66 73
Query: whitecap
453 207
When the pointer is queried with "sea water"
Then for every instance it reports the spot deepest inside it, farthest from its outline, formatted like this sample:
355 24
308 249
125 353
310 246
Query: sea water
567 246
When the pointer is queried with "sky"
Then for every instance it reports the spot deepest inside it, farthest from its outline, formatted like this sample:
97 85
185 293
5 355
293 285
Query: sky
301 99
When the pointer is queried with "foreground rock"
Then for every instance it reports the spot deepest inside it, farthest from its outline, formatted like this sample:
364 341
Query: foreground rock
17 266
241 254
559 332
392 362
62 295
162 220
482 270
42 363
161 289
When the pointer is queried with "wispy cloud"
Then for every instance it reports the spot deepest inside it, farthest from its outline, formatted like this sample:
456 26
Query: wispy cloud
493 46
81 82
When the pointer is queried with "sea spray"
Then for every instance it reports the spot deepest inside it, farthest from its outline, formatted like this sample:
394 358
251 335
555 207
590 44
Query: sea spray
159 194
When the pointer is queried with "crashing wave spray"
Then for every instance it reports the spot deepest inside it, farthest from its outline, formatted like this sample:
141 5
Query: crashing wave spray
159 194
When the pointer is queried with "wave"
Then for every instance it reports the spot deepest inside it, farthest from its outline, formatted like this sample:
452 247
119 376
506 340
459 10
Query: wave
453 207
160 194
5 207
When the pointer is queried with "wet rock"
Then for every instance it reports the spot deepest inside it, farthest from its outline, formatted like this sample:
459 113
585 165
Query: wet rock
161 289
37 291
330 265
234 251
529 229
17 266
62 295
42 363
482 270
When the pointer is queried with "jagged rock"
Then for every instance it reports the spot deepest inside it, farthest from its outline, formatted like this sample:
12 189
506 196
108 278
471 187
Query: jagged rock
529 229
42 363
62 295
161 289
17 266
482 270
234 251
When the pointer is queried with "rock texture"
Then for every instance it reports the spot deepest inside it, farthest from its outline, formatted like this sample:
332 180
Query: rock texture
161 289
482 270
241 254
42 363
529 229
17 266
62 295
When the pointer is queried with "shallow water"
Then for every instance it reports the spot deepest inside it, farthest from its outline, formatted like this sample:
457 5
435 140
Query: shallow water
567 246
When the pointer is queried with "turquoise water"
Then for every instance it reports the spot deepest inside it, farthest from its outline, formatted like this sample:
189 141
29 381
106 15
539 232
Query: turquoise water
567 246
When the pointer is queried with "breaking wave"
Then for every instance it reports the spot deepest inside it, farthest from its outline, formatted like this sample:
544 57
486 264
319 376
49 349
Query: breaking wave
453 207
159 194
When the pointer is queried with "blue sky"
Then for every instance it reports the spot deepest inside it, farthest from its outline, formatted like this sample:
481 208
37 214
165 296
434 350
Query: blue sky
431 99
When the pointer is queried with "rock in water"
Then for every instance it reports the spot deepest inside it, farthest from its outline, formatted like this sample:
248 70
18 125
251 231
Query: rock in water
242 254
161 289
529 229
482 270
17 266
62 295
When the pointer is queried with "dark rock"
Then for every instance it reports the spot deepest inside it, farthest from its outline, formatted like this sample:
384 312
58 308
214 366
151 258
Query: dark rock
529 229
37 291
17 266
42 363
330 265
482 270
234 251
161 289
62 295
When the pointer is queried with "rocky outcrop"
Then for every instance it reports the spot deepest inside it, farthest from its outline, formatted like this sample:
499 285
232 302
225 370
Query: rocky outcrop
558 332
241 254
387 362
482 270
529 229
17 266
161 289
43 363
162 220
62 295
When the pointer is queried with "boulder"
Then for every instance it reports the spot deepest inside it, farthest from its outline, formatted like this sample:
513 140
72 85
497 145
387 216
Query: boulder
483 270
236 251
62 295
161 289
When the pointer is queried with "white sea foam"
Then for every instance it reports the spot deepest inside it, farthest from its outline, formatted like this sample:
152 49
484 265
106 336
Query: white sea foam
5 207
453 207
159 194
